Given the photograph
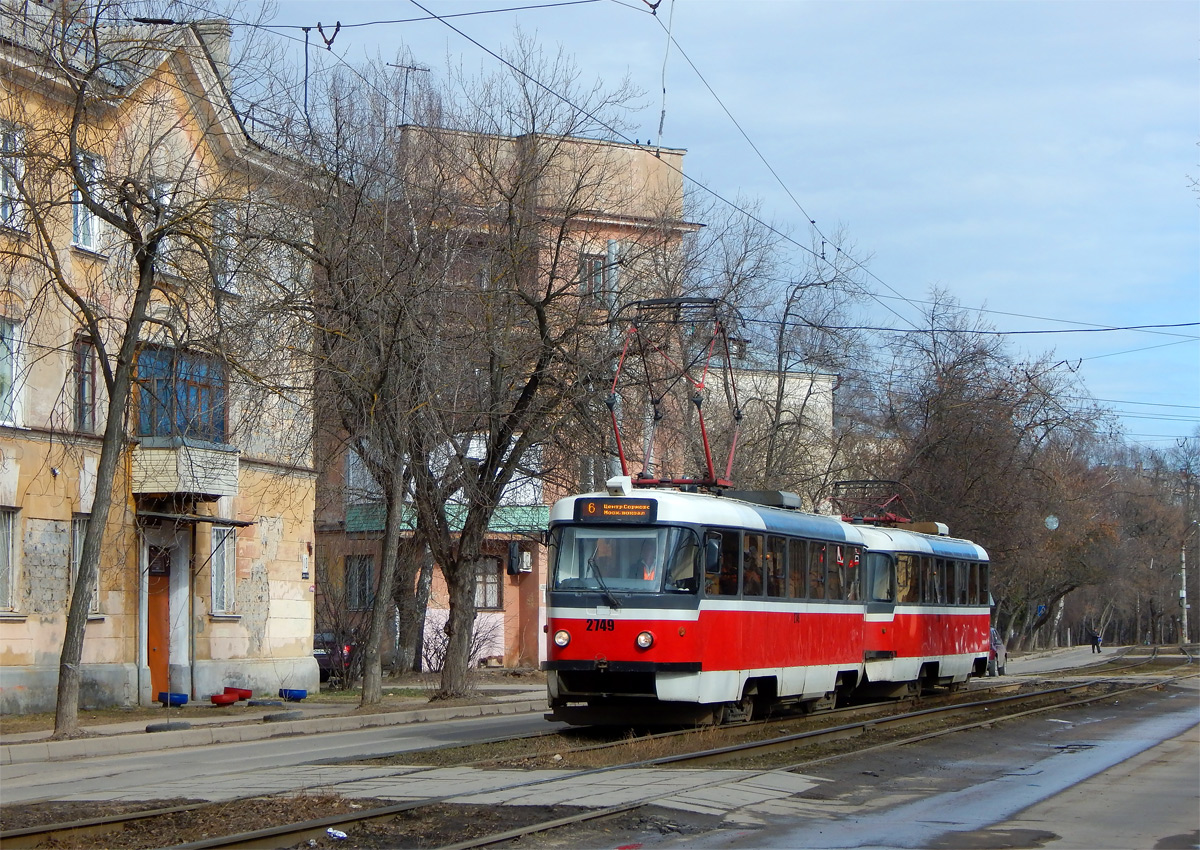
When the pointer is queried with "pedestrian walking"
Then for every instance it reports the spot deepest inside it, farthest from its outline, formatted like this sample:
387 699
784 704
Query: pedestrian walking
1094 637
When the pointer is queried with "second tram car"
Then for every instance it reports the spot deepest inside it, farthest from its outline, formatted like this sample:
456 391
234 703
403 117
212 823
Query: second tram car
666 606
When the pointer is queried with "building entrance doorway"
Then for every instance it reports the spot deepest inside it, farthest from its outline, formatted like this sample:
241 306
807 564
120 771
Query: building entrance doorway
158 618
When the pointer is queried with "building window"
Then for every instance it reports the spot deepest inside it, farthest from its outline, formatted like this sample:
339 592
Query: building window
487 584
222 563
79 524
360 582
10 344
85 223
8 557
11 171
591 274
181 394
85 385
361 487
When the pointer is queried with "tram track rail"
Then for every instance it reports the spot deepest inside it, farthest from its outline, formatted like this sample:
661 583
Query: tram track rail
290 834
32 836
832 734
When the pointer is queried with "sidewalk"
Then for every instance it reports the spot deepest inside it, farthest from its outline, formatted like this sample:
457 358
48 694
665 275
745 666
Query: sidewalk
258 723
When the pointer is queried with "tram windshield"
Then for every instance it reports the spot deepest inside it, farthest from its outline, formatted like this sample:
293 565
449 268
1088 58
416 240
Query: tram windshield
640 560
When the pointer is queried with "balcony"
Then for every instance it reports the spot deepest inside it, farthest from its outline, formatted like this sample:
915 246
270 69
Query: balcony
173 466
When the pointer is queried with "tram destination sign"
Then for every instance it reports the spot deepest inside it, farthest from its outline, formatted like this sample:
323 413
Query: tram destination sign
616 510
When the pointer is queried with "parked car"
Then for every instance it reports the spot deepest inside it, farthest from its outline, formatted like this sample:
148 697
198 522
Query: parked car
997 655
336 656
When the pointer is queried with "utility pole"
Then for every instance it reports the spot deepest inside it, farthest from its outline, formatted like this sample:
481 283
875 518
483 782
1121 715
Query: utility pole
1183 603
1183 635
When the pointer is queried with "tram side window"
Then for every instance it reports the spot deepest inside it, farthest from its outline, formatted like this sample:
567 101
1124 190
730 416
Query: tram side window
946 568
984 590
725 582
963 570
797 568
776 562
752 566
908 585
816 570
879 572
853 572
683 567
834 571
973 584
933 577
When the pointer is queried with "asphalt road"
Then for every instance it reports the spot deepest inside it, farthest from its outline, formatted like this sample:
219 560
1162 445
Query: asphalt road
1117 774
154 775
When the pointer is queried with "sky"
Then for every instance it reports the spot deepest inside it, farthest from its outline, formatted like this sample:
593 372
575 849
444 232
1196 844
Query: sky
1036 160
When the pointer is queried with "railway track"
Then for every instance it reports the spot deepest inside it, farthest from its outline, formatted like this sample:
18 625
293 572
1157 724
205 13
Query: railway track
867 719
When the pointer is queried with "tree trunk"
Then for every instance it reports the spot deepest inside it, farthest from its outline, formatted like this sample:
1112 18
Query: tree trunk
460 624
66 708
381 606
412 560
424 589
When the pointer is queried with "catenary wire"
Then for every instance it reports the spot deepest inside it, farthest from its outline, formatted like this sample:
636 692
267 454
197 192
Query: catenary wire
431 16
877 297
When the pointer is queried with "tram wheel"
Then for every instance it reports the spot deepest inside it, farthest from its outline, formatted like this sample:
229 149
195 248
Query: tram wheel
741 711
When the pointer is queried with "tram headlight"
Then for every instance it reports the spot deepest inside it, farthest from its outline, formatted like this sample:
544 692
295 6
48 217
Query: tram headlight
645 640
561 638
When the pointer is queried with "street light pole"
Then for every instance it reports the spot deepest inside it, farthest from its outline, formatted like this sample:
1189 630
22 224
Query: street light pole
1183 636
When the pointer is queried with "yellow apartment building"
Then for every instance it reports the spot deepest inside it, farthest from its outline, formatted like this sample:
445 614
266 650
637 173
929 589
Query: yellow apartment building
205 575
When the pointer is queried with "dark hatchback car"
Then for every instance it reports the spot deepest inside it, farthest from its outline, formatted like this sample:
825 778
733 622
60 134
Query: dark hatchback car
336 655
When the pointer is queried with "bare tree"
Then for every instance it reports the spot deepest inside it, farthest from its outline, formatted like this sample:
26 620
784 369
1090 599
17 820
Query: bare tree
127 184
803 350
385 240
985 443
517 347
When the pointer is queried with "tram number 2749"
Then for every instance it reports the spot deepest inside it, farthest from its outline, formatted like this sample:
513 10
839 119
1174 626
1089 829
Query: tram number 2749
601 625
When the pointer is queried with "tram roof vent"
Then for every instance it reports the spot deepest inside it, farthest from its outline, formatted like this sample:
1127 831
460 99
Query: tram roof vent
619 485
768 498
938 528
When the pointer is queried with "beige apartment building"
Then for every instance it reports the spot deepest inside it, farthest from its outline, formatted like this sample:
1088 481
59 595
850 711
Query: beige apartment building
205 575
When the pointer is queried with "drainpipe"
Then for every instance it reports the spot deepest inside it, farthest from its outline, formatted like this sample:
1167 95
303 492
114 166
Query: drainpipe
191 608
143 617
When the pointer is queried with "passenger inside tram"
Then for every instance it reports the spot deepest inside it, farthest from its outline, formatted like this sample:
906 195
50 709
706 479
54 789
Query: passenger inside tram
646 566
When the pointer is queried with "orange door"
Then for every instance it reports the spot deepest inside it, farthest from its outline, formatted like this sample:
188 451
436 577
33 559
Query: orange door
158 619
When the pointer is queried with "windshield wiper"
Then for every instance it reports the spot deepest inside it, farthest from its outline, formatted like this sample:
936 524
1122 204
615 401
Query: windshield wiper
612 600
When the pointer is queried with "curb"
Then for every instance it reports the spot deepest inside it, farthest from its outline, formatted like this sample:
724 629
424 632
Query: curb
145 742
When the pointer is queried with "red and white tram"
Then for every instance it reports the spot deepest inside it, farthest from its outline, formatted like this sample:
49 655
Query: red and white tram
670 606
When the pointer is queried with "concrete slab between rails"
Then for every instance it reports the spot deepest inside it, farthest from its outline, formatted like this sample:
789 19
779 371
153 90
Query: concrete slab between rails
140 742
